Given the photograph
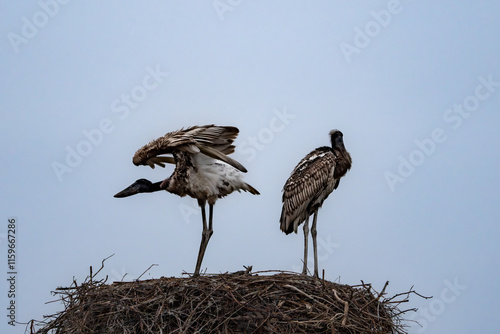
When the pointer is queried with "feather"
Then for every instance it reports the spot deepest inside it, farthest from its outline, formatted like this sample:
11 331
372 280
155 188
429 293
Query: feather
215 139
213 153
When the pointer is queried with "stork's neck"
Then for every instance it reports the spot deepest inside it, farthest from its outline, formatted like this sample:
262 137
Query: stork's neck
154 187
343 159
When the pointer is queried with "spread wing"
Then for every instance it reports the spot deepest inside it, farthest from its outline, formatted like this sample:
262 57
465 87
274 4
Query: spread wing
211 140
308 185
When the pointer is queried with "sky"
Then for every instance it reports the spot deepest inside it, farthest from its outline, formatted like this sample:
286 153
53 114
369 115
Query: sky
413 85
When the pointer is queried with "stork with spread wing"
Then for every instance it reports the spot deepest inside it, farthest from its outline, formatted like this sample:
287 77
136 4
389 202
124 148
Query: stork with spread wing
203 170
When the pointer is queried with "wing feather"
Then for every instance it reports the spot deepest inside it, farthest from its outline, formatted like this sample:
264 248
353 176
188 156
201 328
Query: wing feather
214 141
311 181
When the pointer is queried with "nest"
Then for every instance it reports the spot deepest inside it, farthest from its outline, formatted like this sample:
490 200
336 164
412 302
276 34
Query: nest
240 302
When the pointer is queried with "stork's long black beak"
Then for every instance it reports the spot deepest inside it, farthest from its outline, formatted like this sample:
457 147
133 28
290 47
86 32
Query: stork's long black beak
133 189
140 186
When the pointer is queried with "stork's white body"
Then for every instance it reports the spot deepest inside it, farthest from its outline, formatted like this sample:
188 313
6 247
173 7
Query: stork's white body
212 179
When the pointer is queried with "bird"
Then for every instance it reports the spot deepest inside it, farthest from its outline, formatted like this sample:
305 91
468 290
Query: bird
310 183
203 170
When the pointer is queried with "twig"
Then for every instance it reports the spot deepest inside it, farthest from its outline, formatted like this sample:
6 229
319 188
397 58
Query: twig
407 294
145 271
305 294
383 290
346 306
102 266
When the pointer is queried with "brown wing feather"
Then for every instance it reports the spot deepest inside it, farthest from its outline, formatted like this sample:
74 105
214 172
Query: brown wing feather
216 140
309 184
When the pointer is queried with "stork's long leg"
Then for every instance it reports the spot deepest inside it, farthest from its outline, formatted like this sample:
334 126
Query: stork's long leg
315 246
306 236
210 216
201 252
205 234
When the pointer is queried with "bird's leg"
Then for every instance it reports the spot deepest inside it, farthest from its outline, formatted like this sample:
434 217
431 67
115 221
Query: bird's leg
204 238
315 245
208 232
306 236
210 216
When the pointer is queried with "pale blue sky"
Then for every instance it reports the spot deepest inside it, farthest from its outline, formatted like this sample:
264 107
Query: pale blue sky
413 85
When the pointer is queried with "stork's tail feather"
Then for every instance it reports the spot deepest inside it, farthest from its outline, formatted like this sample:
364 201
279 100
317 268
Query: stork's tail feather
251 189
286 228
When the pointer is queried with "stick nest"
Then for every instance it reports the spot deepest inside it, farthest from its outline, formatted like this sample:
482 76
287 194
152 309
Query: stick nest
241 302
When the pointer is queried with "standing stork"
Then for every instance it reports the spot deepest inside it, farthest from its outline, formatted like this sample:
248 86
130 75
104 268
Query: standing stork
310 183
202 170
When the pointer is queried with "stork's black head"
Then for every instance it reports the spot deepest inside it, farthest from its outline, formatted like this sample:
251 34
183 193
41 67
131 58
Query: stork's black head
337 138
139 186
